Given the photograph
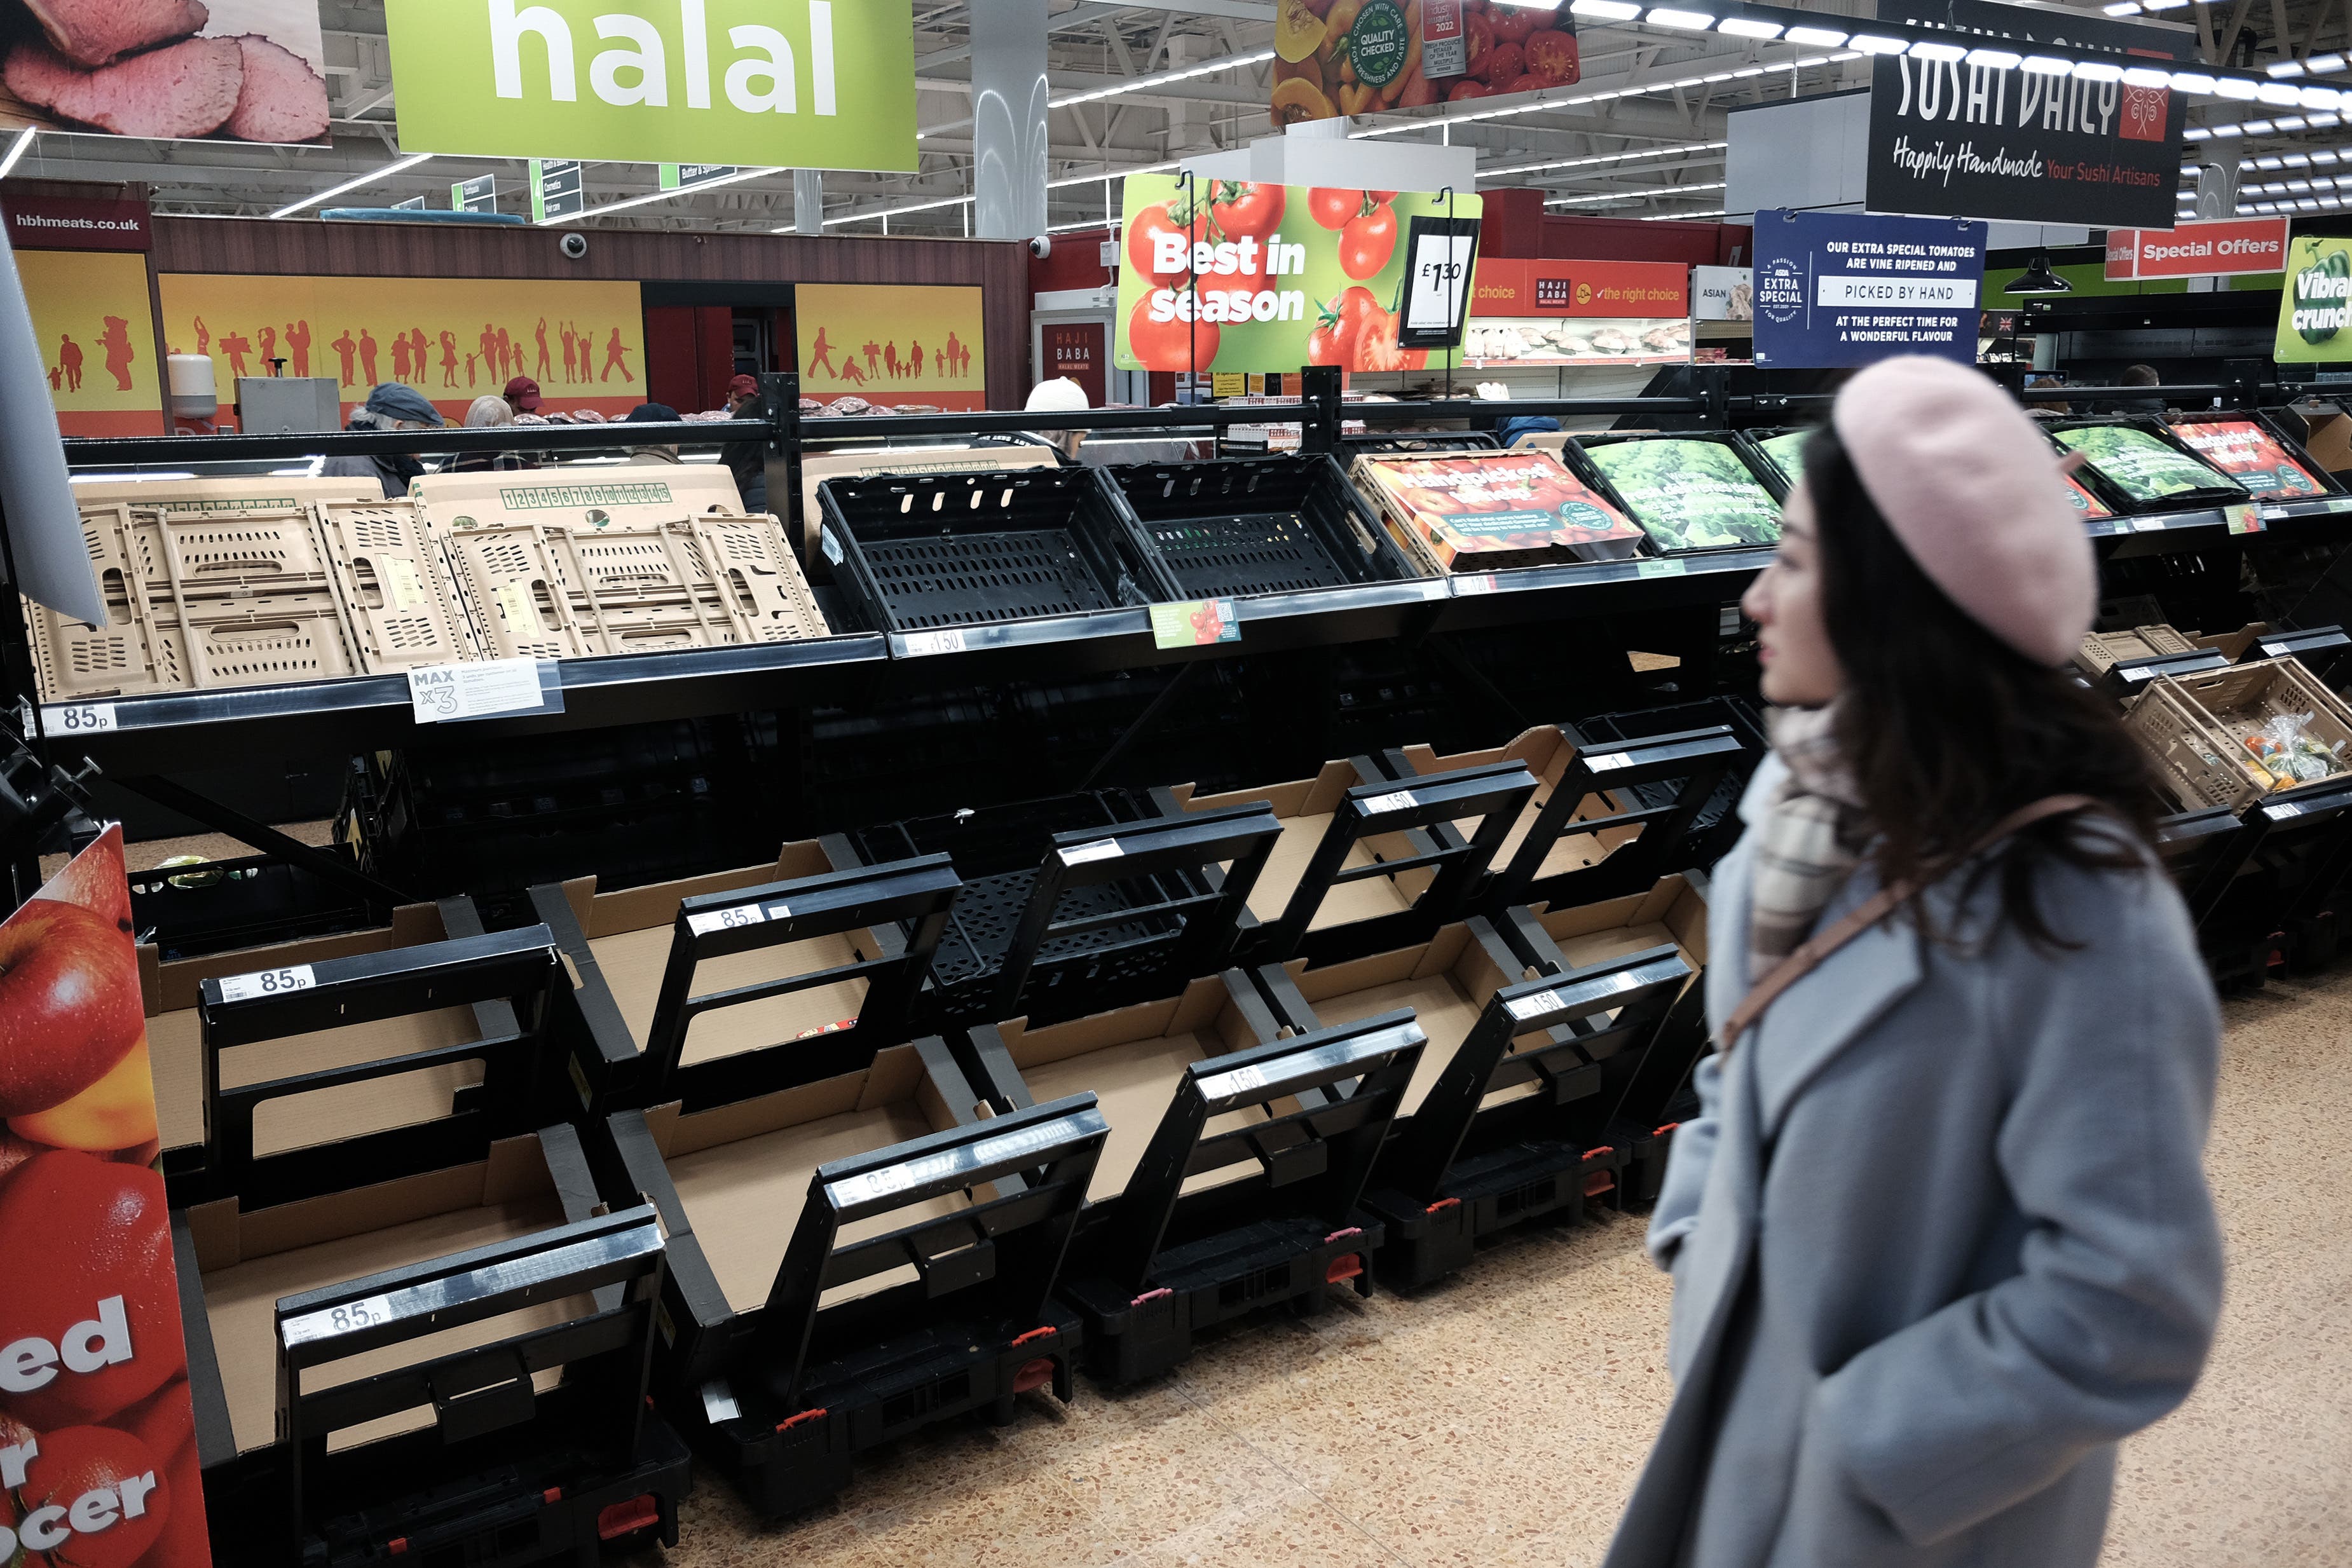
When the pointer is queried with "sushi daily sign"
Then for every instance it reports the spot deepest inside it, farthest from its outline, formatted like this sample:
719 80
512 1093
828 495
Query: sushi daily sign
806 84
1838 290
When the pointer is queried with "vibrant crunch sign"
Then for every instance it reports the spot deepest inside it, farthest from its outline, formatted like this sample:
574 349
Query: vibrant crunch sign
805 84
2221 249
2315 323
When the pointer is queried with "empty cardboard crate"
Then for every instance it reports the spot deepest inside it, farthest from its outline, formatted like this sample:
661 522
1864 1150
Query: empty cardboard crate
1236 1158
1269 525
911 1290
1366 862
2237 702
430 1336
923 552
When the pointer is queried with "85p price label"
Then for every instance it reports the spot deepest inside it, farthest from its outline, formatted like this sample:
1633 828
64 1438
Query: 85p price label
78 718
268 983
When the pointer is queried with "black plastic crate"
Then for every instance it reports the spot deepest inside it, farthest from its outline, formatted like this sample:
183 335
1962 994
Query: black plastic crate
1716 827
254 901
921 552
1264 525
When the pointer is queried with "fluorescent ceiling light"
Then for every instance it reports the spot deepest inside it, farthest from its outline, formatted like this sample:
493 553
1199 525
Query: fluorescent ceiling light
1878 44
2045 65
736 178
1999 60
2283 69
386 173
2324 65
1605 10
2122 8
2140 75
2319 98
1749 28
1675 150
1162 78
1820 37
1936 52
2237 88
2197 82
2277 92
17 148
1688 21
1532 4
2162 5
2097 70
1631 196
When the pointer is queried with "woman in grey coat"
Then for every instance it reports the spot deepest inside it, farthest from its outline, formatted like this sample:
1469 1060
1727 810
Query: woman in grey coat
1941 1234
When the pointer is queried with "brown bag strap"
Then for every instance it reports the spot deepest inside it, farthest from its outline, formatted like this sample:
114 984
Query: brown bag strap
1816 949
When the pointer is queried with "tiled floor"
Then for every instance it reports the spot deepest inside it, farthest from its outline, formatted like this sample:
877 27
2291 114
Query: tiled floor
1501 1419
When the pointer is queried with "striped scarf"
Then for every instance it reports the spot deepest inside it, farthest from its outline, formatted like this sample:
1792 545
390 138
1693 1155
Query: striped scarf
1813 836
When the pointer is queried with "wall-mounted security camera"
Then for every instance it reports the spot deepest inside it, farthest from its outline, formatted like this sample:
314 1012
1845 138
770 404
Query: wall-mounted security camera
1042 246
574 245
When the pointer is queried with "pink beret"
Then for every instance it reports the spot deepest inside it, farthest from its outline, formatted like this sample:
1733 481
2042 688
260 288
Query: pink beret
1973 490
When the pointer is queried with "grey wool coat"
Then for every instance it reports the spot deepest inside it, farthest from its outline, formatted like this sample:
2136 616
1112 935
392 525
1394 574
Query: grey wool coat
1940 1236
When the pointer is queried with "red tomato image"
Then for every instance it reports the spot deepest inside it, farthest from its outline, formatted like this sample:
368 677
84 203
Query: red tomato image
1432 501
1243 207
69 1004
1170 345
1332 208
1368 242
1466 90
1154 221
1505 63
1207 624
1512 23
93 1498
113 1236
1552 54
1377 350
1528 83
1479 34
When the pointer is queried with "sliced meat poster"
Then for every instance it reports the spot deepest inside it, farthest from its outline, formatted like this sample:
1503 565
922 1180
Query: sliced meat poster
240 71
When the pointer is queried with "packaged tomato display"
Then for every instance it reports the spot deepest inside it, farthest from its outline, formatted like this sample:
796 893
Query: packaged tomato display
2251 455
1486 511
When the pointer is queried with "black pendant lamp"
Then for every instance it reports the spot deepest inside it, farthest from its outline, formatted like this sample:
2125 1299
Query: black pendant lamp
2039 280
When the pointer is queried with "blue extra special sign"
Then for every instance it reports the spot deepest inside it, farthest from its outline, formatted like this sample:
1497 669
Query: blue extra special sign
1836 289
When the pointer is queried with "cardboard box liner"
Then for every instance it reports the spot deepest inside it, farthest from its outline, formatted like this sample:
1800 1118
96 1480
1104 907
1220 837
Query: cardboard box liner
581 495
175 1047
630 930
2103 650
1546 753
1305 808
1132 1059
742 1170
250 1261
2212 713
1448 980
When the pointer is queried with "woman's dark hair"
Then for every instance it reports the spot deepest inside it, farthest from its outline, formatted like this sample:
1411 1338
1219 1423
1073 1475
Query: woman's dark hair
1946 728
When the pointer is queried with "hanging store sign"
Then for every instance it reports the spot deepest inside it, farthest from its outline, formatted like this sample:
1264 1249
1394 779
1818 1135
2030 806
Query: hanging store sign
476 195
1723 293
1231 274
1952 138
2223 249
1836 289
2315 323
1359 56
685 176
74 223
805 84
556 188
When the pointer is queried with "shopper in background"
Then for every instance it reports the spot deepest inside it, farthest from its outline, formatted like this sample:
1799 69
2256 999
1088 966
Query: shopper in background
523 396
2137 376
1940 1233
652 413
390 406
488 413
747 460
1059 395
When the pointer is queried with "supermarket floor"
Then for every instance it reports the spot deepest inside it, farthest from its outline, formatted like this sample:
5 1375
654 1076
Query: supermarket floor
1501 1419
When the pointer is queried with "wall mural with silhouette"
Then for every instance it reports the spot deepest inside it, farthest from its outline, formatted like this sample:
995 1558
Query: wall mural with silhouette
898 346
451 339
97 334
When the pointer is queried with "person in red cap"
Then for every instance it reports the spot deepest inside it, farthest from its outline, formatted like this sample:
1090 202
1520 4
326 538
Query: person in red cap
1940 1231
523 396
747 460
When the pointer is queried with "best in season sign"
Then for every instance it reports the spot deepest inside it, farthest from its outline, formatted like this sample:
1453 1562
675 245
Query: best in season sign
2315 324
805 84
2231 247
1957 139
1835 289
98 1451
1231 274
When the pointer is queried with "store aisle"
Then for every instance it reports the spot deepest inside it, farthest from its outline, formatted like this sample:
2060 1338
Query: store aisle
1501 1420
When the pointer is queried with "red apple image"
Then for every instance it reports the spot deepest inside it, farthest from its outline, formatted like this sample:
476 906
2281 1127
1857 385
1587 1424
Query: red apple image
77 1460
118 1112
94 878
69 1004
111 1237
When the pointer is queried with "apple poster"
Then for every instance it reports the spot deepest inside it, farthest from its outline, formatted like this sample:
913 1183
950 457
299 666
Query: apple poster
98 1452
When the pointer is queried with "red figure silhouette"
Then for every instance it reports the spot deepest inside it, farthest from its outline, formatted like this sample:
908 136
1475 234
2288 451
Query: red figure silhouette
69 362
367 355
449 359
399 356
915 363
616 357
268 346
873 352
343 348
297 346
940 361
850 372
571 352
890 359
203 337
116 342
471 360
540 332
235 345
822 355
57 378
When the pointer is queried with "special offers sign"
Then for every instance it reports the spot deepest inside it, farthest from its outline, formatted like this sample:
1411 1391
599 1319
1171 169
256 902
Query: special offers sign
2230 247
1955 140
805 84
98 1452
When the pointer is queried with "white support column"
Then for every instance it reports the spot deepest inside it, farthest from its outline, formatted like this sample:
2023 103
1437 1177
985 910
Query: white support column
1008 111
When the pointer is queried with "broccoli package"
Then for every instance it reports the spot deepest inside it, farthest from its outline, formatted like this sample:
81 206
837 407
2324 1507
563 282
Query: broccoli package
1786 452
2250 455
1689 494
2144 467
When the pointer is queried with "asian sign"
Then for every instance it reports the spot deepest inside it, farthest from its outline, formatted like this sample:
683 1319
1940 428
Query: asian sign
1953 139
1839 289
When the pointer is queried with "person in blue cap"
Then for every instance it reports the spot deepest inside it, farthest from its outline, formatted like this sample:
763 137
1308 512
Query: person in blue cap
652 413
390 406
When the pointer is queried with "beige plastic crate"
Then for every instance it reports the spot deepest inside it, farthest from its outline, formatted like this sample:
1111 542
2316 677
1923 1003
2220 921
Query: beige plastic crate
652 562
2196 763
759 579
226 497
2103 650
393 582
513 593
581 495
203 556
266 642
2239 701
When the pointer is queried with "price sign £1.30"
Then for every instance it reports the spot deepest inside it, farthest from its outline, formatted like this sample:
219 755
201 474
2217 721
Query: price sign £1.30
1436 290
